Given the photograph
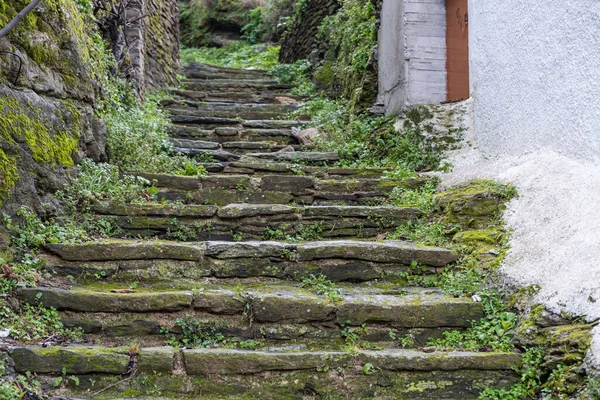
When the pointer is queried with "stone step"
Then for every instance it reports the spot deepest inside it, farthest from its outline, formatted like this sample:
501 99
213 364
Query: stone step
263 304
236 97
255 221
237 374
197 67
191 146
228 85
294 157
153 329
209 123
189 116
354 261
234 134
262 187
260 168
228 110
236 147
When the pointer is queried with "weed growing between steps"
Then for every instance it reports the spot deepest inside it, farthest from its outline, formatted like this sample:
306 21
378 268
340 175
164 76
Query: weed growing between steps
193 334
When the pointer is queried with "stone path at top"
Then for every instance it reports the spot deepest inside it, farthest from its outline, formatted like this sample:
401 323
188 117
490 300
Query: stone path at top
233 251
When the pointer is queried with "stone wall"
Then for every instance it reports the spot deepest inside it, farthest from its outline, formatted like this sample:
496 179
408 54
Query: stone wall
154 42
162 43
301 40
47 122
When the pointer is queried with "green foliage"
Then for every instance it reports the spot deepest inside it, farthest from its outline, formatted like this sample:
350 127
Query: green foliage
237 55
364 141
31 324
592 389
529 384
322 286
194 334
421 198
351 35
101 182
405 341
24 273
138 139
199 18
30 233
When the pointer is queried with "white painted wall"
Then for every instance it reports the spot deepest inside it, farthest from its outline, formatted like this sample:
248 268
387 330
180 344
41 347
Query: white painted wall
535 76
412 53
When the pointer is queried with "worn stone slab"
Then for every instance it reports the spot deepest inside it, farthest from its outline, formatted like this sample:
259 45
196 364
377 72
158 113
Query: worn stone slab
91 301
395 214
247 145
216 154
279 183
110 250
220 301
195 144
156 209
271 124
252 210
155 360
189 119
228 250
205 362
298 156
75 360
387 251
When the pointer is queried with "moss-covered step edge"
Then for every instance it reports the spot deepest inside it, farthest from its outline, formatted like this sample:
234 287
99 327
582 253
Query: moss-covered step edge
391 251
231 96
270 304
203 362
255 221
175 106
147 328
229 374
237 147
224 135
276 181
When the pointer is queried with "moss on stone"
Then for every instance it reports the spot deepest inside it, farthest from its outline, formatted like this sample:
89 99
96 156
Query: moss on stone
8 175
50 142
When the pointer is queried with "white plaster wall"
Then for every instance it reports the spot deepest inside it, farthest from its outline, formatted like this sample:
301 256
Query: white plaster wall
412 53
535 75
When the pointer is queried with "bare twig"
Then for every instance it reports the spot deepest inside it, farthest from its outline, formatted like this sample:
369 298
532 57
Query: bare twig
18 18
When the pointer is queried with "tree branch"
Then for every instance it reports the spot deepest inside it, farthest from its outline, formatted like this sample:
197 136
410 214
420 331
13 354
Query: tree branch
18 18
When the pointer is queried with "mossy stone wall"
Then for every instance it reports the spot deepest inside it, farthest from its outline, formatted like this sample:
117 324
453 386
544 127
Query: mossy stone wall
46 117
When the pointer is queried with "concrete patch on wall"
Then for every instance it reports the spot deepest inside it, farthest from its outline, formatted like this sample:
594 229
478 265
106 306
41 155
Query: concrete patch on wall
535 76
555 222
412 53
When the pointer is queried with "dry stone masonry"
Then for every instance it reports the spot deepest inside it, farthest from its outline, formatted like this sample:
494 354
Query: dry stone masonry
234 270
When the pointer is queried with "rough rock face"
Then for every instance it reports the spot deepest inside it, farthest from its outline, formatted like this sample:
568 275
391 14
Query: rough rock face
154 42
302 38
46 120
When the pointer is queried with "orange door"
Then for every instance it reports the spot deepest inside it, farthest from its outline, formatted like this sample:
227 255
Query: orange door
457 44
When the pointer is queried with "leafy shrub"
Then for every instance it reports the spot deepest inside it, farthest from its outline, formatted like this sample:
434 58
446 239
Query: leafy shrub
199 18
97 182
351 35
237 55
138 139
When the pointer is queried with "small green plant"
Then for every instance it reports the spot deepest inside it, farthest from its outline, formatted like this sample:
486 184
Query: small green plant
194 334
405 341
32 324
241 187
273 234
238 237
322 286
311 231
528 386
30 232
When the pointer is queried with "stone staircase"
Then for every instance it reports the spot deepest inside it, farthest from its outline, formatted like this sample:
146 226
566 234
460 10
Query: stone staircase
234 258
